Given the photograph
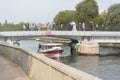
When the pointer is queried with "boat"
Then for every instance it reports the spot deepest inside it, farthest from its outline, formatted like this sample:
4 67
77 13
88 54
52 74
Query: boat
50 49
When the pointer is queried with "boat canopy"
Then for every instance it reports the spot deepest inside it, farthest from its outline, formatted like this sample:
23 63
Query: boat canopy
51 44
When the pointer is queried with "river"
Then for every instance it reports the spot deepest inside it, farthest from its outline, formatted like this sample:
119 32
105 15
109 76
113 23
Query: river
105 66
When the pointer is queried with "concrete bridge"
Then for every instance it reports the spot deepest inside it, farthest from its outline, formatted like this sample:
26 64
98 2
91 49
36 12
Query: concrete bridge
95 36
35 66
89 39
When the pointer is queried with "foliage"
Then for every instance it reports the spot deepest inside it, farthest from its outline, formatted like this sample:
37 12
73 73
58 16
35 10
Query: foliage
64 17
114 17
101 20
98 20
86 10
11 26
104 15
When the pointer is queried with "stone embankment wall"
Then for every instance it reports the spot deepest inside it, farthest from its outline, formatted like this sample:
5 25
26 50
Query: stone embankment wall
116 45
39 67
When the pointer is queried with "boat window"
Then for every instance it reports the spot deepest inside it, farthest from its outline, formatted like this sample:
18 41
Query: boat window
49 47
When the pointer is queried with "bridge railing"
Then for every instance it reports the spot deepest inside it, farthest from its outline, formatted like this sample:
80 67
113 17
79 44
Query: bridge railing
97 36
80 33
22 33
39 67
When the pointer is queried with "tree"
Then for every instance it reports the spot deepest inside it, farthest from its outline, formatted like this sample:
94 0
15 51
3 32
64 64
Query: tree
0 24
104 15
11 26
64 17
114 17
86 10
101 20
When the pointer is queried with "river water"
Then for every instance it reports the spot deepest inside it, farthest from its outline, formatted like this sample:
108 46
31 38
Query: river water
105 66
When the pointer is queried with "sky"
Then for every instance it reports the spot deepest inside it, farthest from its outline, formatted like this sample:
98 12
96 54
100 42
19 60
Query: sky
40 11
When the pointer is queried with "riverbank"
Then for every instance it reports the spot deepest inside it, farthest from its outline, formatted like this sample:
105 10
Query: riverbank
114 45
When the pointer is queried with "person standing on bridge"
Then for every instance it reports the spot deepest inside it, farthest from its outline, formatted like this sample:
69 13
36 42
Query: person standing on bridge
48 26
96 27
24 28
83 26
53 26
61 26
74 26
70 27
80 27
91 26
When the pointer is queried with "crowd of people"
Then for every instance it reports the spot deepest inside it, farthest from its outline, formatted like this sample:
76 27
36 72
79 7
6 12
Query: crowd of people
31 27
39 26
82 27
72 26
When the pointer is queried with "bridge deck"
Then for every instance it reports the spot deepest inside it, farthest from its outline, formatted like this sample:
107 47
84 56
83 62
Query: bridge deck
11 71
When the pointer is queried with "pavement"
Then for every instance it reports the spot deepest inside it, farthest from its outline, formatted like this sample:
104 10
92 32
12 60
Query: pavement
11 71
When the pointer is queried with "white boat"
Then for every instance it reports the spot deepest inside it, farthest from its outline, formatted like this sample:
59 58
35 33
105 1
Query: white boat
50 49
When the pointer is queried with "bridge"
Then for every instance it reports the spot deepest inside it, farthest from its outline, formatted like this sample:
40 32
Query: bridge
95 36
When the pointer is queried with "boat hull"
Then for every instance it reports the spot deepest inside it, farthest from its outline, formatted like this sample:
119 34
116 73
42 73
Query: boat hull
54 53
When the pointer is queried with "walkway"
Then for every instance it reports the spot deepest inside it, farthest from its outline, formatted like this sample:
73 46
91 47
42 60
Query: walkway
11 71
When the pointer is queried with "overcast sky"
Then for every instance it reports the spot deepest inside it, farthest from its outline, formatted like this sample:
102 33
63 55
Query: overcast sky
40 10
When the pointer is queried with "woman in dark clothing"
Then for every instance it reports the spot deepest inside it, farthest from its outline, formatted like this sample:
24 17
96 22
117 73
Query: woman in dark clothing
91 25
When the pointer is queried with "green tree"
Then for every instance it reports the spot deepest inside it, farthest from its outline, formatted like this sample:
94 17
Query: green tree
11 26
86 10
101 20
114 17
0 24
104 15
64 17
98 21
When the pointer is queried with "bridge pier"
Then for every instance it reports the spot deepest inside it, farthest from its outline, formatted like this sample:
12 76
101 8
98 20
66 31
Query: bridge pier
88 48
72 46
85 47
